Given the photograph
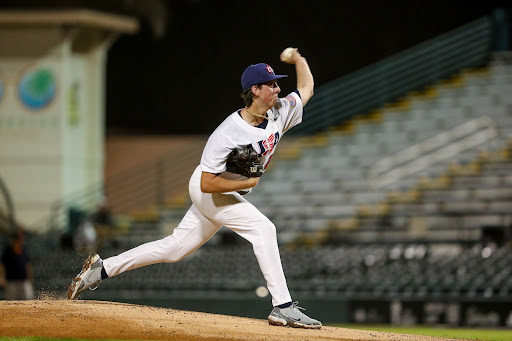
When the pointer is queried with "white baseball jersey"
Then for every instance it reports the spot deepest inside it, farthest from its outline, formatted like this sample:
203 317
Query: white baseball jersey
234 132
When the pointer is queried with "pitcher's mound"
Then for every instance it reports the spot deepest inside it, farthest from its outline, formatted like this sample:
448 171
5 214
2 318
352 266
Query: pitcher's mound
109 320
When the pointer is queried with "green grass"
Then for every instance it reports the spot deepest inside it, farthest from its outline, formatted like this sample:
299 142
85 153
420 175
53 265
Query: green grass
452 333
38 338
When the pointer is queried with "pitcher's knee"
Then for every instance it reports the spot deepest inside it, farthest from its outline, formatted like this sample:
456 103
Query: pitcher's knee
268 227
171 250
173 258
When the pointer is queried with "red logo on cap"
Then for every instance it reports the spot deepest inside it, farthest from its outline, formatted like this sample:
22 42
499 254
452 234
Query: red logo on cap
269 69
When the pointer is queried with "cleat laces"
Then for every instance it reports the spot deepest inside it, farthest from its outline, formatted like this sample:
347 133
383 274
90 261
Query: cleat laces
296 305
298 309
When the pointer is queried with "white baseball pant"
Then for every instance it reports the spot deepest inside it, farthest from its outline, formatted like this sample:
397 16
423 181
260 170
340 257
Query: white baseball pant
205 217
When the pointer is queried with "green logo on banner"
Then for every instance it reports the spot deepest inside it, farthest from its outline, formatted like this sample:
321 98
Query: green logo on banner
73 114
37 89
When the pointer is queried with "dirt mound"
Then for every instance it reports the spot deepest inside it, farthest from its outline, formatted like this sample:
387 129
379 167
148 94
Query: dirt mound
109 320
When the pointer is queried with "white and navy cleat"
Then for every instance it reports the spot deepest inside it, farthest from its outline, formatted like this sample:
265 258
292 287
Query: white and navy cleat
293 317
88 278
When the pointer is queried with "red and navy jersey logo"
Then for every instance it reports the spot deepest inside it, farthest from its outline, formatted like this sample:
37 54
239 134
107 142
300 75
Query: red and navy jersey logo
268 145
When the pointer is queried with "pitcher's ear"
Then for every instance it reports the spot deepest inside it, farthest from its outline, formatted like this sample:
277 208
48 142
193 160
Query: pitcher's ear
254 88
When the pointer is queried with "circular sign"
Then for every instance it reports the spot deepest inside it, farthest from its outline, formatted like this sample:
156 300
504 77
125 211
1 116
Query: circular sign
37 89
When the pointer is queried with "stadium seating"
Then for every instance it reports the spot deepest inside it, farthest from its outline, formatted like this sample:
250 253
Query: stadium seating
422 236
383 271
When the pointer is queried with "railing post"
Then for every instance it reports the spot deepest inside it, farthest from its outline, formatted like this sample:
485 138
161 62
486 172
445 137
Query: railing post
500 30
10 206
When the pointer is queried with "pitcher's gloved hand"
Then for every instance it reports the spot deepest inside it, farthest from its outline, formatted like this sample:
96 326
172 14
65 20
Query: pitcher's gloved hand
245 161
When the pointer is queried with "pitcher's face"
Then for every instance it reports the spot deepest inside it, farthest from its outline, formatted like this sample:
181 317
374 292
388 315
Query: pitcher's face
268 93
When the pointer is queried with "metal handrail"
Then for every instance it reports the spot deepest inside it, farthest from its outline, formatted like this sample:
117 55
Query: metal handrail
434 150
395 76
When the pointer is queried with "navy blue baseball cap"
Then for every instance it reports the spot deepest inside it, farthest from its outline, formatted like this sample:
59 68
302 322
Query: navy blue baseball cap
257 74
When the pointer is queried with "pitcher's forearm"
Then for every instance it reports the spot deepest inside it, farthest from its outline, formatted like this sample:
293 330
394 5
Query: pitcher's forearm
305 81
211 183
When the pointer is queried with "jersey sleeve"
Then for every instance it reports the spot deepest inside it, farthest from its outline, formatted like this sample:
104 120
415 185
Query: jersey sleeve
290 111
215 153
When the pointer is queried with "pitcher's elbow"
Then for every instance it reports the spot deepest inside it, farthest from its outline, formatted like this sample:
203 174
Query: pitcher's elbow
204 188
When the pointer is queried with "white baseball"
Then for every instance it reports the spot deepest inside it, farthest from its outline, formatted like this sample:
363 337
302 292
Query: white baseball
262 291
287 53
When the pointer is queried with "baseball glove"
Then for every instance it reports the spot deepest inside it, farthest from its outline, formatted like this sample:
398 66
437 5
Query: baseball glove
245 161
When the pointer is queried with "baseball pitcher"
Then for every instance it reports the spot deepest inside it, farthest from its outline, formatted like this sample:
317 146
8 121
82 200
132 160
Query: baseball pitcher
233 161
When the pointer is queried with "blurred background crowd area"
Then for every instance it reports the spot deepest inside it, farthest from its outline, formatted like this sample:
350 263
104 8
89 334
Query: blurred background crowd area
392 200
